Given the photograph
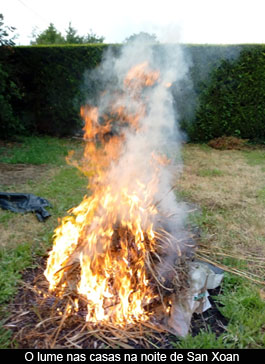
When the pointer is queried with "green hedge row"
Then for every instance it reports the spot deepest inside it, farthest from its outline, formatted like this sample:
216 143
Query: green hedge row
42 89
232 101
49 80
203 61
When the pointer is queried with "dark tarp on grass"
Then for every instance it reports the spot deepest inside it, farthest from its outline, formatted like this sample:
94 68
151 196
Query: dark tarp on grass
25 202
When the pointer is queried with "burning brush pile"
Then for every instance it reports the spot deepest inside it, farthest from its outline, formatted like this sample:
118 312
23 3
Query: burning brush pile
122 250
121 258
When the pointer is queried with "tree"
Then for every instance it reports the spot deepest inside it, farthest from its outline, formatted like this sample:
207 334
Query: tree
49 36
5 39
72 37
52 36
142 37
93 38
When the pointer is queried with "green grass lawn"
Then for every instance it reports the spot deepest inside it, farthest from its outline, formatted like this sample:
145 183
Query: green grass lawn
227 185
23 238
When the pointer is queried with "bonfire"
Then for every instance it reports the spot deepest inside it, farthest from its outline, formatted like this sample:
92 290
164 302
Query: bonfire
122 251
109 253
121 271
119 268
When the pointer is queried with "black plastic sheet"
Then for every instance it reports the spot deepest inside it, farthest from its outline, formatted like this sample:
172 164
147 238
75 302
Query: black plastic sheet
25 202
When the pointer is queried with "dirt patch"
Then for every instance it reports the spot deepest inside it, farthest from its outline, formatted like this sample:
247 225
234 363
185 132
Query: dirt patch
228 143
21 228
13 174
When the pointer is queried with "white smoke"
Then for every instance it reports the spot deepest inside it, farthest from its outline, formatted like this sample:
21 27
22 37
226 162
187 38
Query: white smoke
158 133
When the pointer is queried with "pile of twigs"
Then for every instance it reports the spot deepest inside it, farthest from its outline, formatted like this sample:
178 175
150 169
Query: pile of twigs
173 278
41 320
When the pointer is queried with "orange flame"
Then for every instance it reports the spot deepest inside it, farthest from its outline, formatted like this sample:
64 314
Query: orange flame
110 234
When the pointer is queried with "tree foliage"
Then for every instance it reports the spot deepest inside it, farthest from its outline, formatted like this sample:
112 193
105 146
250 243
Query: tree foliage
5 39
52 36
49 36
142 36
71 35
92 38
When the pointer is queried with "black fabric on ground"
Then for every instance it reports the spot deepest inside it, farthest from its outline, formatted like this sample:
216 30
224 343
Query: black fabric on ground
25 202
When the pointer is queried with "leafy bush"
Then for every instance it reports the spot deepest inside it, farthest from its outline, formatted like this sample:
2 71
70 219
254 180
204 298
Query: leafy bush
233 102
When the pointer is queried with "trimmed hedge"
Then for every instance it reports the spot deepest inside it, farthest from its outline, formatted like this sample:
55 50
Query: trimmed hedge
50 80
232 102
9 94
42 89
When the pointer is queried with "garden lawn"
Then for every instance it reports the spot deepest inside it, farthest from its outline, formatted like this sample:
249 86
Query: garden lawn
228 187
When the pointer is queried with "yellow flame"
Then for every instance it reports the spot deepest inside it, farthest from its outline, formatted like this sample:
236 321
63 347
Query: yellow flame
110 233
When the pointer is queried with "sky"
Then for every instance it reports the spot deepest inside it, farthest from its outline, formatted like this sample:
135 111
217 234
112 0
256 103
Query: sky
185 21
